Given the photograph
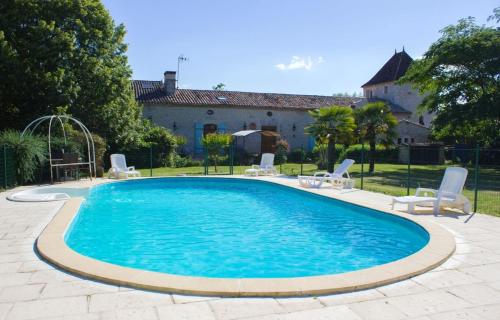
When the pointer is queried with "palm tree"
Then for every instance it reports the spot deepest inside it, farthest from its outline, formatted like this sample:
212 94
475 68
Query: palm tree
375 123
334 123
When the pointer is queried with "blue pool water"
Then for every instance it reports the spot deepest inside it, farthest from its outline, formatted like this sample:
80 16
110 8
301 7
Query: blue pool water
234 228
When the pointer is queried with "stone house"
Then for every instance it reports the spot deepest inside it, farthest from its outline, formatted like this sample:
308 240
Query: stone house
413 127
195 113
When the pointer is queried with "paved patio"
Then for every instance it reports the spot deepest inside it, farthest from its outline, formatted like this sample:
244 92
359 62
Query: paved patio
467 286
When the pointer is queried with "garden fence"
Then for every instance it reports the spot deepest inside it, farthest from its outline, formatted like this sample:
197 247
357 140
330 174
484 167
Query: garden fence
398 171
7 167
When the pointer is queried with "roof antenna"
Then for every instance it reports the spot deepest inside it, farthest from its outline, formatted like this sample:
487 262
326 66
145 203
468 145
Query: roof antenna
395 51
403 48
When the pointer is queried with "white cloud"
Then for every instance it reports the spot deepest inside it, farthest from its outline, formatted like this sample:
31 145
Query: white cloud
300 63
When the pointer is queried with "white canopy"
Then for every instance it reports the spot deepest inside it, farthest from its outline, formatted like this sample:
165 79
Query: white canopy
244 133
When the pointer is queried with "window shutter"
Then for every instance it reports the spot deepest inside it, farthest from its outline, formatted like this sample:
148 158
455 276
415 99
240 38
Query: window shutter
310 143
221 127
198 135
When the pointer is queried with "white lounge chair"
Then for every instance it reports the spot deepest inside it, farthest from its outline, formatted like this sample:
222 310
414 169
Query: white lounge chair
449 193
119 167
265 167
336 178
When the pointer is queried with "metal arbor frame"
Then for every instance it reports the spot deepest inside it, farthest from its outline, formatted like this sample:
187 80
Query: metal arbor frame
88 137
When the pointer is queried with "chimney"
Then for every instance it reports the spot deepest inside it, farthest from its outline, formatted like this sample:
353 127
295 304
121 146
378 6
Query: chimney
169 82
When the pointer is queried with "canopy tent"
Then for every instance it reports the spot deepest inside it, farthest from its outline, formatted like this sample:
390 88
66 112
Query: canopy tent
245 133
32 126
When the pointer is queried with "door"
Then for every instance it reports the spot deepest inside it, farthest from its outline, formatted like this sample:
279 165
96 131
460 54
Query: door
267 141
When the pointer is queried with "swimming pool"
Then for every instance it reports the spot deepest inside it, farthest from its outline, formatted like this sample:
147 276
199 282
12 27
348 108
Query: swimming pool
235 228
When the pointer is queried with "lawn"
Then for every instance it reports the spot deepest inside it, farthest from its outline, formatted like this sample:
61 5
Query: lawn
389 179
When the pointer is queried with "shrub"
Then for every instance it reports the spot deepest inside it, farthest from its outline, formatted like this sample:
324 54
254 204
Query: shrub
162 141
383 154
30 151
215 144
321 152
281 152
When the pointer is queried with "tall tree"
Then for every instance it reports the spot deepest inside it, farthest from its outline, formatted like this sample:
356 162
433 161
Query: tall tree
375 124
460 76
66 56
336 124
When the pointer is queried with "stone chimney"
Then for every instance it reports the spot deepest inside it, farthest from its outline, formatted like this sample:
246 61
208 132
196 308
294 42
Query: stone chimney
169 82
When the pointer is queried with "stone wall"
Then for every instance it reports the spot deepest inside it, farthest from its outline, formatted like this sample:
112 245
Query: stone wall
231 119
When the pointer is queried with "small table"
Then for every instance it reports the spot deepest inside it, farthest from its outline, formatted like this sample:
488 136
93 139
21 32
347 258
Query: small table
252 172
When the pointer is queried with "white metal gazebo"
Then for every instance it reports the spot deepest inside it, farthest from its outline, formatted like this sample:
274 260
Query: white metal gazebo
88 137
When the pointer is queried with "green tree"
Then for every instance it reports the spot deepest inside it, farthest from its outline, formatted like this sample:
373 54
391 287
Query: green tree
65 56
375 123
336 124
219 87
460 77
215 143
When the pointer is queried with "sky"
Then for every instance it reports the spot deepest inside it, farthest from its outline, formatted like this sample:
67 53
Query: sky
304 47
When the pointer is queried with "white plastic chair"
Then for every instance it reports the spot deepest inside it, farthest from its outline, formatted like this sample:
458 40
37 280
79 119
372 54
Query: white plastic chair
265 167
336 178
449 193
119 167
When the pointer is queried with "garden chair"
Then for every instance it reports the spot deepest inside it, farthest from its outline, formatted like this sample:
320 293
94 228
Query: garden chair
336 178
266 166
449 193
119 167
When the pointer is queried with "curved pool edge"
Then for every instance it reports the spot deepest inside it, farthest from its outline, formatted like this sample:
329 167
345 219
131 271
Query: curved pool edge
52 247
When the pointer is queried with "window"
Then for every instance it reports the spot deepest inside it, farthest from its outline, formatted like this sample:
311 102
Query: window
150 118
221 98
386 89
399 140
269 114
412 140
421 120
406 140
210 112
147 85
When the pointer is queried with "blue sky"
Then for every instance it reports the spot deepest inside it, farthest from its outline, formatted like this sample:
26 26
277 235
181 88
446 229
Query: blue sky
305 47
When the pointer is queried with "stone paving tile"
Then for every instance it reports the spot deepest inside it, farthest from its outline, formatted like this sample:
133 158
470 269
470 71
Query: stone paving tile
127 300
48 308
402 288
447 278
477 294
130 314
227 309
10 267
490 312
187 311
179 298
351 297
327 313
4 309
489 272
299 304
20 293
463 314
13 279
377 310
75 288
428 303
31 266
51 276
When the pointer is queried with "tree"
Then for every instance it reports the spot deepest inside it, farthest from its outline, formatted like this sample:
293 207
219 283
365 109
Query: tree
460 76
214 143
219 87
64 56
336 124
375 123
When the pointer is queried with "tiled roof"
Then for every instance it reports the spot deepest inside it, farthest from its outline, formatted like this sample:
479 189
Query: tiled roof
152 92
392 70
395 108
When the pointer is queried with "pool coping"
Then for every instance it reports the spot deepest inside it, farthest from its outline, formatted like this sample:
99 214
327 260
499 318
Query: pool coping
52 247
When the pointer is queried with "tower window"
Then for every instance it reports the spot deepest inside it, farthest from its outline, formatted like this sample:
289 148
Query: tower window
386 89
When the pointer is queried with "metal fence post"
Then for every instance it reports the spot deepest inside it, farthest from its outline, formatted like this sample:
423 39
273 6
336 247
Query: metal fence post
5 165
231 158
476 177
362 163
151 161
409 172
301 159
205 161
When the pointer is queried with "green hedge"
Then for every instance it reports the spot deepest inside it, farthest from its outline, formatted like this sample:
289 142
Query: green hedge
382 153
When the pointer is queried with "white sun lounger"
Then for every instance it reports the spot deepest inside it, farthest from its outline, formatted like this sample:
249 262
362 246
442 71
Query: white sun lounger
449 193
336 178
266 166
119 167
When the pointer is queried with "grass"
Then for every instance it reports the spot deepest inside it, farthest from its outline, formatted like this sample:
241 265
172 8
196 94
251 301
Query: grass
389 179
